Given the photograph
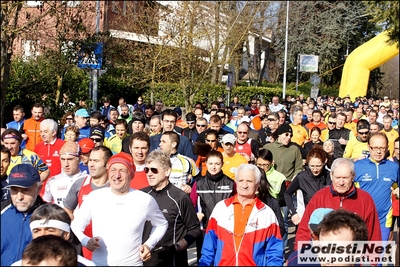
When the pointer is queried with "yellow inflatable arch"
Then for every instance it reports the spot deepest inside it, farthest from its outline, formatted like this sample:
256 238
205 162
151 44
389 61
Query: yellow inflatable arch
361 61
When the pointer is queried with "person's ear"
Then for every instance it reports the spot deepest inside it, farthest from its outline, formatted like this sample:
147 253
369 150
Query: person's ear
66 235
174 145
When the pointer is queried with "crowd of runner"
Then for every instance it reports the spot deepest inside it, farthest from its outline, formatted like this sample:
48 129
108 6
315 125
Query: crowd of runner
137 184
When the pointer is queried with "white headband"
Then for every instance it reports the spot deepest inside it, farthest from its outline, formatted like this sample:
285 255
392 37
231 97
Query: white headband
51 224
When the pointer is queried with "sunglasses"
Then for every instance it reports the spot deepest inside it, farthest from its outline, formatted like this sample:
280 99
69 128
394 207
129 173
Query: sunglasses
364 133
208 140
331 122
190 122
153 170
271 119
69 118
96 140
200 125
242 132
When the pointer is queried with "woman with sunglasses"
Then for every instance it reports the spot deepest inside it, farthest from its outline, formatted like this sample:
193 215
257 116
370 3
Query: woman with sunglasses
308 182
201 149
213 187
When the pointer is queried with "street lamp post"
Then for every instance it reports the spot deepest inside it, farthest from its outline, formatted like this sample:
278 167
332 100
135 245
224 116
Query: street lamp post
286 43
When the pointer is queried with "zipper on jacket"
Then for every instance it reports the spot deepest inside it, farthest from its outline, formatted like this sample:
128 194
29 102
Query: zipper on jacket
21 235
341 202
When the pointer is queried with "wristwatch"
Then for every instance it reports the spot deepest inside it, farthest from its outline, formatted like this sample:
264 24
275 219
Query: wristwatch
177 247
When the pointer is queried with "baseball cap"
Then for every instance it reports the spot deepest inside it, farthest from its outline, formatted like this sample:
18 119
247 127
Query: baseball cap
190 117
71 148
96 132
23 175
317 216
333 109
178 110
284 128
86 145
123 158
228 138
363 127
82 113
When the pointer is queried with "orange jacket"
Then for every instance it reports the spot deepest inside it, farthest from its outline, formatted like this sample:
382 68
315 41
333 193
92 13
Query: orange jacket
32 130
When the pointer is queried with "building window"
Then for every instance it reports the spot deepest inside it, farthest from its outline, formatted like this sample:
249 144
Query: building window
30 49
71 3
33 3
115 7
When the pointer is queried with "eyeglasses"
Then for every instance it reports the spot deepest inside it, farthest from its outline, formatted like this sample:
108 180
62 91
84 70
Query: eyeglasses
69 118
200 125
212 141
153 170
96 140
332 122
242 132
271 119
375 149
364 133
190 122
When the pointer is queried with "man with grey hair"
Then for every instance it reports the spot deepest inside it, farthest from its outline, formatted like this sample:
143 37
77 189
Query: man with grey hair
239 218
49 149
341 194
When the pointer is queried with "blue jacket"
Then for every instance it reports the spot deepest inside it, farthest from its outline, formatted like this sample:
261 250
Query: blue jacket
377 179
184 147
15 232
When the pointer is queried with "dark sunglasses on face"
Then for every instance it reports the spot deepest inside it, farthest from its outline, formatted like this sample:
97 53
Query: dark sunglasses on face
363 133
69 118
331 122
200 125
153 170
96 140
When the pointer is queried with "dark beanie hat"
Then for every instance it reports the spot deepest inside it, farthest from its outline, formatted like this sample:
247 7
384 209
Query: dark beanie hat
284 128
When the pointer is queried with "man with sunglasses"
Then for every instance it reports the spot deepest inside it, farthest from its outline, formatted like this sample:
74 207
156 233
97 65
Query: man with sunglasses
190 131
246 146
357 147
215 124
183 225
340 135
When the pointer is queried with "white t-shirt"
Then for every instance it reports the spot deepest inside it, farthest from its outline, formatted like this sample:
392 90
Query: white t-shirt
57 187
118 220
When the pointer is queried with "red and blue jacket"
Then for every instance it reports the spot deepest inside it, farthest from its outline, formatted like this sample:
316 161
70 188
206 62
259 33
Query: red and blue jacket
261 243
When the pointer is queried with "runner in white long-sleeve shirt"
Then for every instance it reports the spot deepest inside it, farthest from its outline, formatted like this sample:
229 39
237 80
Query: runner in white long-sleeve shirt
118 214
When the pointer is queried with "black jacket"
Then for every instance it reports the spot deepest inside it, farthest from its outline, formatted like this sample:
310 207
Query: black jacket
182 224
308 184
211 189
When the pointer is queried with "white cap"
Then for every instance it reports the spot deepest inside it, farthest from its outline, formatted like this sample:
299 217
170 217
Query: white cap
229 138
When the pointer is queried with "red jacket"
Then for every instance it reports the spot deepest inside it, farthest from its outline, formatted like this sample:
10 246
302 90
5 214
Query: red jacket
356 200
